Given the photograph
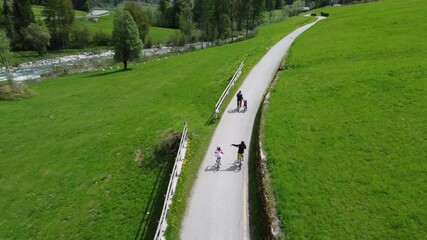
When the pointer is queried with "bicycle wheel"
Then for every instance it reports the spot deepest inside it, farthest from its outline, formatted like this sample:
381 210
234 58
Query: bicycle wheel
218 163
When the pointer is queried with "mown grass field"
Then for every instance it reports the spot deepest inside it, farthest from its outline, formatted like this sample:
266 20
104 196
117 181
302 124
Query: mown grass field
346 128
68 154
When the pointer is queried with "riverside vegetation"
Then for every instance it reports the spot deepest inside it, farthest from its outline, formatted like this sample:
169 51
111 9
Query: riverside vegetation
79 159
345 130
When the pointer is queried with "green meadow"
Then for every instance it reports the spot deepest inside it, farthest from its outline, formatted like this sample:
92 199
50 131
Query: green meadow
67 155
37 10
346 128
105 24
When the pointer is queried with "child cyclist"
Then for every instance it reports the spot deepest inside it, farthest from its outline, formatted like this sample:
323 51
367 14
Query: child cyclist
218 155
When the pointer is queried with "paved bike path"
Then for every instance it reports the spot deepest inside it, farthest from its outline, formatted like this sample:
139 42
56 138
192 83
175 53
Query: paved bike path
218 205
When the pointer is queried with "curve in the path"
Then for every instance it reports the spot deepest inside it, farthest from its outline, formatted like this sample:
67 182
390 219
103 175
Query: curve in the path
218 205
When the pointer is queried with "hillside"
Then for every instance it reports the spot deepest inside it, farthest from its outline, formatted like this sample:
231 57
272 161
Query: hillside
345 131
68 154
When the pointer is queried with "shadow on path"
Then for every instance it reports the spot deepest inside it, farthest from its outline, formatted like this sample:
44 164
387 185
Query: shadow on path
231 168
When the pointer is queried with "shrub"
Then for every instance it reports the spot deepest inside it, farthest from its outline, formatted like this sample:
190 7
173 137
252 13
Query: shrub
101 39
323 14
148 42
12 90
313 14
80 37
167 146
177 39
38 37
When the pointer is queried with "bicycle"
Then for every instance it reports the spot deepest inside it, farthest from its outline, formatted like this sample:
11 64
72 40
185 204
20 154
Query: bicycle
239 160
217 164
218 155
240 153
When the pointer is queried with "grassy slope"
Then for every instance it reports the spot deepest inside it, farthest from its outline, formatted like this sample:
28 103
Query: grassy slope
67 155
346 129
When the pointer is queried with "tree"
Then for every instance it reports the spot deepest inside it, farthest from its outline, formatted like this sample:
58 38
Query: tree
22 17
140 17
256 13
38 37
59 19
163 9
270 4
126 41
222 18
83 5
186 23
4 49
22 14
7 20
279 4
203 14
81 36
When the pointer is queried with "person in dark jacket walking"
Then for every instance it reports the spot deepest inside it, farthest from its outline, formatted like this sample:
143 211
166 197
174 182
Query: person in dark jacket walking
241 151
239 100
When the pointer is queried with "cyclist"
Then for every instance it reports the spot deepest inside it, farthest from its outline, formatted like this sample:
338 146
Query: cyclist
239 99
241 151
218 155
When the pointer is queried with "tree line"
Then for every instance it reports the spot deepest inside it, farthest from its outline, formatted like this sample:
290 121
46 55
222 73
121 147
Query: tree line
56 30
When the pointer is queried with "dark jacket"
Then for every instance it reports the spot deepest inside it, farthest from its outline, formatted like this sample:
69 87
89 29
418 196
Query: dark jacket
239 96
241 147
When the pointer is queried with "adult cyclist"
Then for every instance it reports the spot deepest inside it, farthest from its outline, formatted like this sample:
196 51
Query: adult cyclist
241 151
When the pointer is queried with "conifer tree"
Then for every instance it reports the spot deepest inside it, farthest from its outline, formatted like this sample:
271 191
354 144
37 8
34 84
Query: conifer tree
7 20
126 41
59 19
4 49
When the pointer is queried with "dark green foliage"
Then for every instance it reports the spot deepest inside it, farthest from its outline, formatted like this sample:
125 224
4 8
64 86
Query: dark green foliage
222 20
140 17
203 16
164 10
7 20
22 17
186 23
38 37
324 14
279 4
59 19
4 49
127 45
83 5
177 39
101 38
81 36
